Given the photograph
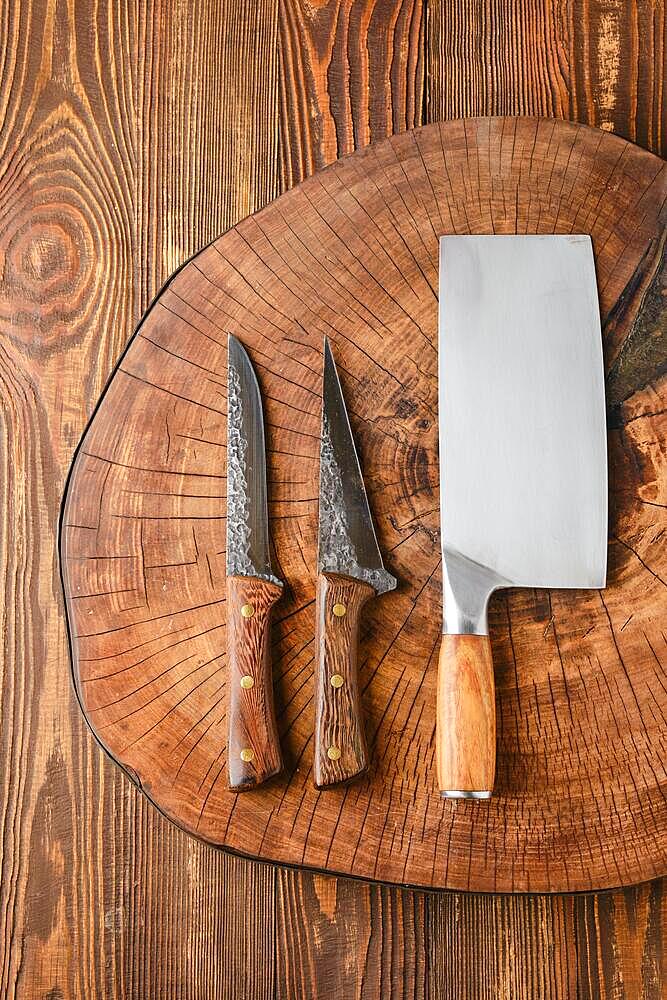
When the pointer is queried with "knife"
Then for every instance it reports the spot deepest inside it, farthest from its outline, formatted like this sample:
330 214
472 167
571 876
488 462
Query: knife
523 461
252 589
350 572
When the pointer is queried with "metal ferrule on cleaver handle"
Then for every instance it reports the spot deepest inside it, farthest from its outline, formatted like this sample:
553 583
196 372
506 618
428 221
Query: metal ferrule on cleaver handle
253 748
523 465
350 572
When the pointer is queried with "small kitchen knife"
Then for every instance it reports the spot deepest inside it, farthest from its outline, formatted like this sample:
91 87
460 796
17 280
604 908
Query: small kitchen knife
253 749
350 571
523 468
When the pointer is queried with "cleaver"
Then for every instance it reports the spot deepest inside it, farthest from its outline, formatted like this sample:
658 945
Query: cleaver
523 460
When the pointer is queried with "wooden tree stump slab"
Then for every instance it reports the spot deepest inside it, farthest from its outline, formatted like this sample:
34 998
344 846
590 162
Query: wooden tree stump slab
582 689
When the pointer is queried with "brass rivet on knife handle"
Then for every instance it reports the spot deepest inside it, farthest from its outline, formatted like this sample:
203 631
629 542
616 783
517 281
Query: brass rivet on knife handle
254 749
466 718
340 743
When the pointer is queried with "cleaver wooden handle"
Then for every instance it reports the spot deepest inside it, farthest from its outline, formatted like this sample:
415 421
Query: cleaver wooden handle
466 717
253 748
340 743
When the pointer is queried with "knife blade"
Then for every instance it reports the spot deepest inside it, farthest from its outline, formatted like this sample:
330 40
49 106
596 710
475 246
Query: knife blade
253 748
522 460
350 572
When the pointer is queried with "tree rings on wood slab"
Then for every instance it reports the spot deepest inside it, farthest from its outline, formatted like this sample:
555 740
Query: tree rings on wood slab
352 254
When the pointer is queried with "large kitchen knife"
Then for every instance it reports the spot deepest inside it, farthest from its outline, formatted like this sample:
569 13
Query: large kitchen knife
253 749
523 469
350 571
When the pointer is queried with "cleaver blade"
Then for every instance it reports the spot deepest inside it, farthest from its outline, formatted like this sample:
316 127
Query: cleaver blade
523 460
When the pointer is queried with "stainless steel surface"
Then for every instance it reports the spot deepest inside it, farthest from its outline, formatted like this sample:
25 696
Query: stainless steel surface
523 460
248 552
454 794
347 542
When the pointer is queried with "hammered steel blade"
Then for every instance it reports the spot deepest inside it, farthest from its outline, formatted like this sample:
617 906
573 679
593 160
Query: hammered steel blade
347 542
523 461
248 552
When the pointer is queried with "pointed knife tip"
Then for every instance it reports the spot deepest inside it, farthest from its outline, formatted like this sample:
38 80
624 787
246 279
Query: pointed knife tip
233 345
330 371
237 352
238 360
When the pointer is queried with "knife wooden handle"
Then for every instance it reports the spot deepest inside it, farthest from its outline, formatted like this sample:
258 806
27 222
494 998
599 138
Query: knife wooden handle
340 743
466 717
253 748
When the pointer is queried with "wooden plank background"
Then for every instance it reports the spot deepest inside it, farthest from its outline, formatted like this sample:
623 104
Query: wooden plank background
130 135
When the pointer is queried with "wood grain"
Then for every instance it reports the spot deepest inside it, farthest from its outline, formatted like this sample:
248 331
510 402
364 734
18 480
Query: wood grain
601 63
66 245
339 722
351 72
581 706
137 139
375 941
358 941
466 715
609 946
111 172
